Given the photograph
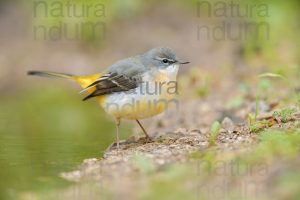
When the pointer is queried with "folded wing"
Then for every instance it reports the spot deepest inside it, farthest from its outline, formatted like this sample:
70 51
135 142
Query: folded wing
110 83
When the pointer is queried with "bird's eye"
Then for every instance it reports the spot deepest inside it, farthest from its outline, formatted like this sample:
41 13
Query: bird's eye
165 60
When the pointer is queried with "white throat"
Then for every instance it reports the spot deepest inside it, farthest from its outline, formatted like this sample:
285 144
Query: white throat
171 71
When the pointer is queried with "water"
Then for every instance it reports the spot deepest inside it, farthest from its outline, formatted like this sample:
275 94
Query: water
44 131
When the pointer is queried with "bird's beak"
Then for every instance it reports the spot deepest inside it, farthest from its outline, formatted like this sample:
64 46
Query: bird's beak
183 62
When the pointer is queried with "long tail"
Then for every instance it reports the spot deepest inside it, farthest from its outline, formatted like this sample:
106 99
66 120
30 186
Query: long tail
83 81
50 74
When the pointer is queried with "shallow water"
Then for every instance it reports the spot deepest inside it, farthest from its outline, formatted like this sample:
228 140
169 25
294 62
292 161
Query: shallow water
44 131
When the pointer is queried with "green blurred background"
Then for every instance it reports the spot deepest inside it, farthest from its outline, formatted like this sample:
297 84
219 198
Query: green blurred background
45 128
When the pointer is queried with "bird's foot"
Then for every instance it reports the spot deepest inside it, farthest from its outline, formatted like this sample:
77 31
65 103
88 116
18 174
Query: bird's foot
115 146
145 140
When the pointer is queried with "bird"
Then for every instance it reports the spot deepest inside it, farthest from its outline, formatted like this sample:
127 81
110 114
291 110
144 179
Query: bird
134 88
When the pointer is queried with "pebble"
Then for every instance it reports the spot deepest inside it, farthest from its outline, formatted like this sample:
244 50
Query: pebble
227 124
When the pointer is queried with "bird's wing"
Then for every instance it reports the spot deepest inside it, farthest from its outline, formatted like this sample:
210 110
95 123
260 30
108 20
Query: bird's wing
110 83
122 76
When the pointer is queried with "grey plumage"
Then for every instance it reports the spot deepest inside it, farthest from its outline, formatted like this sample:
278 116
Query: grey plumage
126 74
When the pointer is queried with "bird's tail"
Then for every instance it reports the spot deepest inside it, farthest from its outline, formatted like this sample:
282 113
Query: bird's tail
50 74
83 81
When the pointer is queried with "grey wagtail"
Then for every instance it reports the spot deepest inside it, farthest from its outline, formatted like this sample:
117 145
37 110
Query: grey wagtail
128 88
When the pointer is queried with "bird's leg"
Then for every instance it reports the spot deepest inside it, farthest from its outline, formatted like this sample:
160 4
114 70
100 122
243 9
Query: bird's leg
118 122
144 131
